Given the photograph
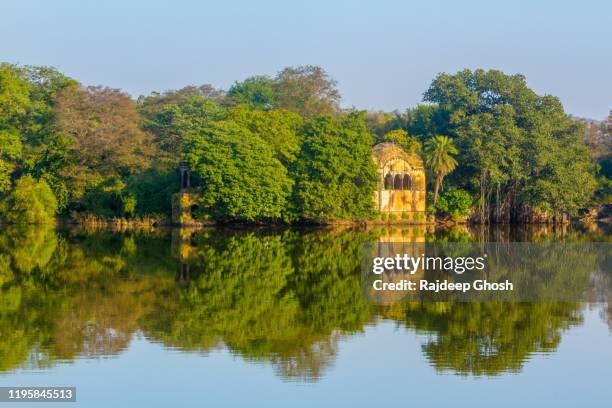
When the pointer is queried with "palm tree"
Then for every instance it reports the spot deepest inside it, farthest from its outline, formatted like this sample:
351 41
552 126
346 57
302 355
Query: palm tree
439 151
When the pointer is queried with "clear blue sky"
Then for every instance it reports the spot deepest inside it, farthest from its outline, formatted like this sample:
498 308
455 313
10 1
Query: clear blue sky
383 53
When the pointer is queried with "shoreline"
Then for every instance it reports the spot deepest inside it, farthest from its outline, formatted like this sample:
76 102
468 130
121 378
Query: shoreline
135 224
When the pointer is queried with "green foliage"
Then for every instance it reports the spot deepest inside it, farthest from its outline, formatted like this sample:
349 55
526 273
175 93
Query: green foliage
104 146
30 202
280 129
603 193
104 154
14 95
335 175
169 117
14 104
380 123
426 121
10 150
400 137
105 199
285 298
397 136
240 175
37 148
257 92
512 331
605 164
45 149
455 202
439 152
517 149
307 90
59 186
152 191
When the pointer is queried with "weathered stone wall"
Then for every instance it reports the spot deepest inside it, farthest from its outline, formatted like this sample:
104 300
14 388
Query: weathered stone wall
182 205
406 199
400 201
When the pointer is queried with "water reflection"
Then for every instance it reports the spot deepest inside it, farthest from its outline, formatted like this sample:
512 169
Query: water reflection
486 338
284 297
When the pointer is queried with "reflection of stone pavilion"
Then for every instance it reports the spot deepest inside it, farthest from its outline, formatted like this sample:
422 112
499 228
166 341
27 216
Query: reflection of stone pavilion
401 186
409 240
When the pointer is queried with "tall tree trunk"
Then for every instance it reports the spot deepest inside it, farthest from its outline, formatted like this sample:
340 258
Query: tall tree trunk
497 204
482 198
437 187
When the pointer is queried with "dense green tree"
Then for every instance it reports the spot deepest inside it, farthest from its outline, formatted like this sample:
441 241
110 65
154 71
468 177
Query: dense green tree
14 95
30 202
171 115
46 83
152 191
29 141
14 105
425 121
256 92
307 90
278 128
455 202
169 118
46 151
335 174
10 151
518 150
240 175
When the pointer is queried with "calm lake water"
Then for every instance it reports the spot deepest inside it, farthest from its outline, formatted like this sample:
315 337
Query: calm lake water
276 318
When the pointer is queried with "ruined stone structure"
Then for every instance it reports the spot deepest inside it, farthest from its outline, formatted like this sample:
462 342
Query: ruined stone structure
401 186
185 201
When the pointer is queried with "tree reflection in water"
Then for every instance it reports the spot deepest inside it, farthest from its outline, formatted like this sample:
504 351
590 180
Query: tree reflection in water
284 297
486 338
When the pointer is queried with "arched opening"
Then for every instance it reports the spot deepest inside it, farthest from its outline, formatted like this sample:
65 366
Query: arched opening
185 176
397 182
407 182
389 182
184 179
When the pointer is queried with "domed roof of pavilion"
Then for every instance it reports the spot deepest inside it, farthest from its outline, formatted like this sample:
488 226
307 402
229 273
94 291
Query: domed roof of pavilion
387 151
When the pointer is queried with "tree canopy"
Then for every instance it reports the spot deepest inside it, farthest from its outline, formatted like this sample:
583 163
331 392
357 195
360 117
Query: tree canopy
241 177
518 151
280 148
335 174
